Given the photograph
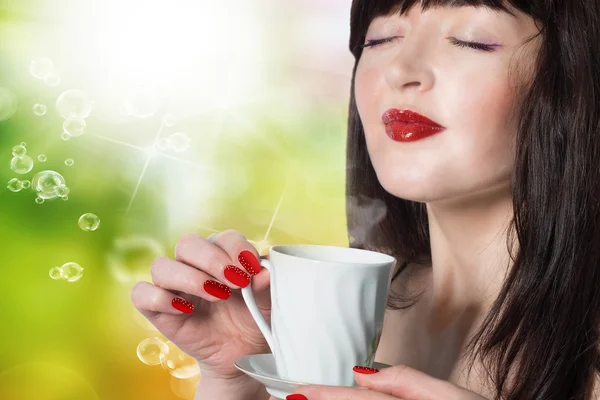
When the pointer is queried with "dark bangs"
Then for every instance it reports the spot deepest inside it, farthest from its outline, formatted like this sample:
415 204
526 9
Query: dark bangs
364 11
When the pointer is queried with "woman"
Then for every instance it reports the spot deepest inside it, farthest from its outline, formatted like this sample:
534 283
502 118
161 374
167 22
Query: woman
474 159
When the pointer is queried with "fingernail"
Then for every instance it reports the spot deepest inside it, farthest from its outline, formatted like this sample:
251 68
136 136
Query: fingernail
296 396
217 289
249 261
365 370
182 305
236 276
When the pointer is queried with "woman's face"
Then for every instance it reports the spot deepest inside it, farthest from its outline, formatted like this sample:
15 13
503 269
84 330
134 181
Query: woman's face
468 91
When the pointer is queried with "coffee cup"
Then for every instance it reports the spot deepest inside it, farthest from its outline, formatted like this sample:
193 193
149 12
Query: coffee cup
327 308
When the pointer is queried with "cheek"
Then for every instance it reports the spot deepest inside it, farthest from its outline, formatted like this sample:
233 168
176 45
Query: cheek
365 92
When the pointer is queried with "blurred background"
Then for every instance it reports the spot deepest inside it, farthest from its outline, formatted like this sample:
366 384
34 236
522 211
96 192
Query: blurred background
126 124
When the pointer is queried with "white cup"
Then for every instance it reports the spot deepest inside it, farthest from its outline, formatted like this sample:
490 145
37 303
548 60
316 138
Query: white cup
327 310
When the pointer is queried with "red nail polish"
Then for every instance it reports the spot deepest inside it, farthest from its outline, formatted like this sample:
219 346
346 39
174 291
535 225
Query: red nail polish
236 276
249 261
296 396
217 289
365 370
182 305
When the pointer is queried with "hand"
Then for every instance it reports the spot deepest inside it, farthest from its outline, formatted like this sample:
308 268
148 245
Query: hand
210 322
399 382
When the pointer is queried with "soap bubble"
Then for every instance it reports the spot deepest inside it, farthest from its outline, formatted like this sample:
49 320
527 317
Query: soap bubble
52 80
23 144
26 184
74 103
140 103
74 126
179 364
130 258
152 351
39 109
65 136
62 191
8 104
56 273
41 68
46 183
19 150
14 185
72 272
21 165
89 222
69 162
169 120
163 144
42 158
179 141
39 200
65 198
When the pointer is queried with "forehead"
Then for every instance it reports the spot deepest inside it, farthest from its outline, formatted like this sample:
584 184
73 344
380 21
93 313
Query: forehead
509 17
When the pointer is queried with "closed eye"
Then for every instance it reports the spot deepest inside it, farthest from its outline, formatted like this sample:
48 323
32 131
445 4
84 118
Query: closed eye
454 41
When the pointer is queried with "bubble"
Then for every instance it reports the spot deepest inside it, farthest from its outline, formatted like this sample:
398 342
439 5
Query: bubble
89 222
179 364
56 273
41 68
72 272
19 150
140 103
74 126
62 191
152 351
46 183
52 80
8 104
21 165
74 103
131 257
179 141
65 198
169 120
185 388
65 136
14 185
69 162
39 109
163 144
39 200
42 158
26 184
23 144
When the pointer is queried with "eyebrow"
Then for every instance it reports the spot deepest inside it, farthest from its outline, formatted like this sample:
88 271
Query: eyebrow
456 5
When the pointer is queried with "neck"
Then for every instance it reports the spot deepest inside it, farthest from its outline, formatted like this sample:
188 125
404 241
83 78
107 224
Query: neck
469 254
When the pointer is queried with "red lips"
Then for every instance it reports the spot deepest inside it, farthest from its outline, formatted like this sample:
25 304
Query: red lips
408 126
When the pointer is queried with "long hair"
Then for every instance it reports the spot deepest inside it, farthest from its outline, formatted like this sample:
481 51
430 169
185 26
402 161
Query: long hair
540 338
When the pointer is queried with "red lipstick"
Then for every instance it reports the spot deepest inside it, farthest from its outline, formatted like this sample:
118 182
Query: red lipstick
408 126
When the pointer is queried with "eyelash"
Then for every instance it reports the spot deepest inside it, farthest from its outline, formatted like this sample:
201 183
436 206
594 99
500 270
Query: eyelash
458 43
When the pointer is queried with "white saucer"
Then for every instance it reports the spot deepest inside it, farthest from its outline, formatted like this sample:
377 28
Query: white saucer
262 368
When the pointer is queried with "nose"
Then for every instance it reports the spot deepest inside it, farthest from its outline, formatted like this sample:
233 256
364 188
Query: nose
410 68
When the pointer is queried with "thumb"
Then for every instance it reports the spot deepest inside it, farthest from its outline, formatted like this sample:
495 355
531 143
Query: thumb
408 383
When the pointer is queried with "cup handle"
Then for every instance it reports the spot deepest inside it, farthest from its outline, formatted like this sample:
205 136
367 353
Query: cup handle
265 329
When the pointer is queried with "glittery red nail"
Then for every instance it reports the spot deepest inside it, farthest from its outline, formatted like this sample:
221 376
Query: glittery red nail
182 305
249 261
236 276
365 370
296 396
217 289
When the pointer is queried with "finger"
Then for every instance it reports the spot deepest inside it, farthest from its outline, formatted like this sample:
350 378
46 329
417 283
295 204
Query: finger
239 250
411 384
320 392
202 254
151 300
174 275
244 256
